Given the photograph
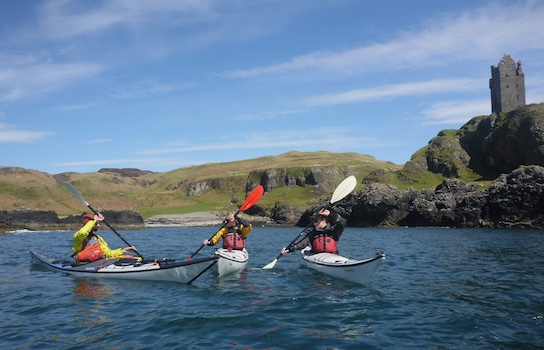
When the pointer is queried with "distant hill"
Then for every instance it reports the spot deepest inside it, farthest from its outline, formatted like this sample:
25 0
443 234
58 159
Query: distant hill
480 151
207 187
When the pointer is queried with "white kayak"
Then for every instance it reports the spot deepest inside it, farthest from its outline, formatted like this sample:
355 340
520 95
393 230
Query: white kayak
148 270
358 271
230 261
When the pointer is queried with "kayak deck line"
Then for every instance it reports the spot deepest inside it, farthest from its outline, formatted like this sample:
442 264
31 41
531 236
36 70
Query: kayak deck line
155 270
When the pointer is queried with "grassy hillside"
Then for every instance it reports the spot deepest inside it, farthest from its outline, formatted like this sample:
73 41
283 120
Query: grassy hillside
163 193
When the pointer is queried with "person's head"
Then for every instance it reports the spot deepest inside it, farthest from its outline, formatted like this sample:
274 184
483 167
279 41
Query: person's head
320 222
87 217
230 221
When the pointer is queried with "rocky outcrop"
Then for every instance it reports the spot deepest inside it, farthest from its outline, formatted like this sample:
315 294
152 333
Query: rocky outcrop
285 214
322 179
488 145
513 200
446 156
196 189
30 219
518 140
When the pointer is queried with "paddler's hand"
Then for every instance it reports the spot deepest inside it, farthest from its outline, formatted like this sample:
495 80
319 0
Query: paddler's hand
206 242
285 251
324 212
130 249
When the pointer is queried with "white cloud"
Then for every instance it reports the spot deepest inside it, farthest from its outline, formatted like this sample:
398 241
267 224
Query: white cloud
267 115
64 19
478 34
140 163
455 112
36 76
320 138
99 141
141 90
390 91
8 134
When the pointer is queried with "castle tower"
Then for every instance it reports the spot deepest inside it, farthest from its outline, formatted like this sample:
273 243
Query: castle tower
507 85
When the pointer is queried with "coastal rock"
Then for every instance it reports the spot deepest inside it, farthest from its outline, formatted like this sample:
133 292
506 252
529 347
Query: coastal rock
286 213
487 145
322 179
514 200
197 189
185 220
48 220
518 140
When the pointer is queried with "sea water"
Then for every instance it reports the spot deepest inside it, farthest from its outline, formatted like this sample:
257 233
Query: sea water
438 288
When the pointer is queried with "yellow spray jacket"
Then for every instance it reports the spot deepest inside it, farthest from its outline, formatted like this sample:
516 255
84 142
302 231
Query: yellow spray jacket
244 231
83 232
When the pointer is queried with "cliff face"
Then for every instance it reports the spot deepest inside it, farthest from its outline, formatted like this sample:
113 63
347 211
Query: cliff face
514 200
324 179
516 140
487 146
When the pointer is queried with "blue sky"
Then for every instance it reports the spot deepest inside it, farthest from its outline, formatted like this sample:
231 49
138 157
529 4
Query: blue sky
159 85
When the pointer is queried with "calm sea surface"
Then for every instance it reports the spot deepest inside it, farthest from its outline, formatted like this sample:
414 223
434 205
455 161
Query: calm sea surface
437 289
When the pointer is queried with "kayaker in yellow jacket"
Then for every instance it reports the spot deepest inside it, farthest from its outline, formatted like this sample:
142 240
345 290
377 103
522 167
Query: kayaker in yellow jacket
88 246
233 232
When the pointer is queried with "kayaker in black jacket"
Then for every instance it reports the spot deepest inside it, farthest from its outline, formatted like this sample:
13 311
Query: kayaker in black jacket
323 238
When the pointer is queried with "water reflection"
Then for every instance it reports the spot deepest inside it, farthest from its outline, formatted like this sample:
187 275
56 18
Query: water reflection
87 288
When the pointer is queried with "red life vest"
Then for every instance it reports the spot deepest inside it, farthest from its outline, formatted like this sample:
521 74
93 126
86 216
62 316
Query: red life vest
324 244
91 252
234 240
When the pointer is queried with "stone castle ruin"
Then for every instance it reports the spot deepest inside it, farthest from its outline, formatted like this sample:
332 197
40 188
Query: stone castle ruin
507 85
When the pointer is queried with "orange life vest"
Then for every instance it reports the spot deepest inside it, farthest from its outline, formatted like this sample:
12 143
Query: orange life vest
324 244
234 240
91 252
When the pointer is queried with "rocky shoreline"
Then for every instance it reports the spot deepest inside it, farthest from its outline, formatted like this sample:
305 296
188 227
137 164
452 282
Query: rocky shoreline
513 200
184 220
200 219
33 220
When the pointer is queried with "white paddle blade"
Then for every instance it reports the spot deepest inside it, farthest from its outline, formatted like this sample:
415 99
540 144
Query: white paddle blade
344 189
76 193
270 265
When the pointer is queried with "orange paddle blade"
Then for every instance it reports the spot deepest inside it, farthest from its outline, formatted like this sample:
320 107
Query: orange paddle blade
252 198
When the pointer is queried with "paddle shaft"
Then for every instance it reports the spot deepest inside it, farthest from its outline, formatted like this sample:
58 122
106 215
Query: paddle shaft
341 191
294 240
252 198
117 233
203 245
78 195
